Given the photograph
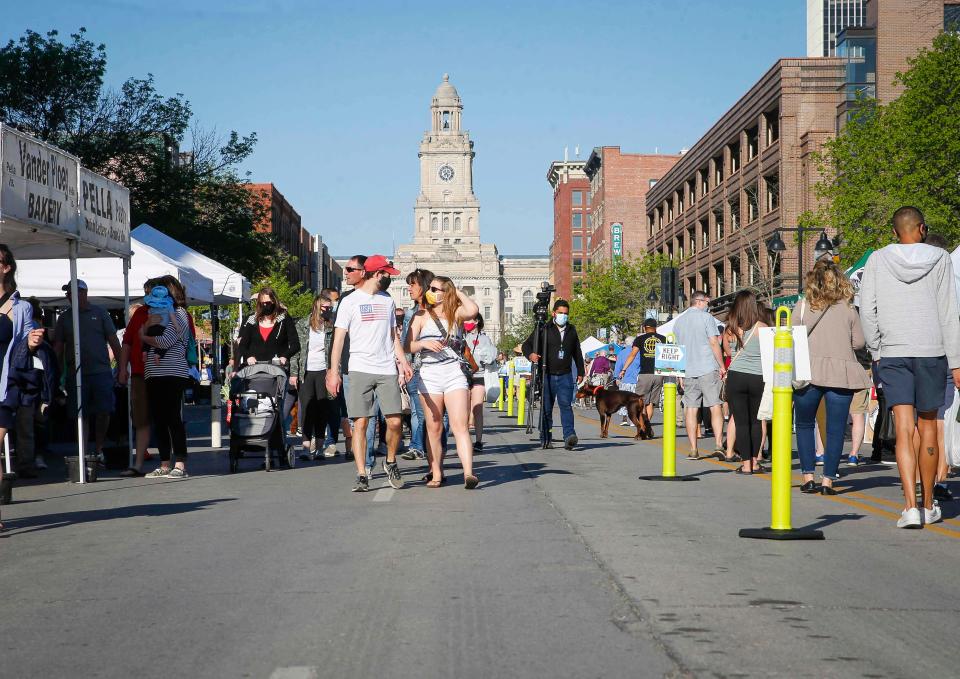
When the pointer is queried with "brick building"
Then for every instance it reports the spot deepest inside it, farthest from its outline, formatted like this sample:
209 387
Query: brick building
571 245
618 187
714 210
283 223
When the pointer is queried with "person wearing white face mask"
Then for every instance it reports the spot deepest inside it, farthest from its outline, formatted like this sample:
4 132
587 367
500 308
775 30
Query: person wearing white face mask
560 346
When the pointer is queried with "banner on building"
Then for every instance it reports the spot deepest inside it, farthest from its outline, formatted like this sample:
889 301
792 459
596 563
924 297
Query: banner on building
616 240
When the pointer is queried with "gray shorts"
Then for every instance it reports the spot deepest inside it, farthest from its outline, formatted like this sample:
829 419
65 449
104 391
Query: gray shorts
703 391
650 387
364 387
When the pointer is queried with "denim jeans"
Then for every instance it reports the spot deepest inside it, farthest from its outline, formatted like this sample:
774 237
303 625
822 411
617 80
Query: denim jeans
557 388
806 401
416 414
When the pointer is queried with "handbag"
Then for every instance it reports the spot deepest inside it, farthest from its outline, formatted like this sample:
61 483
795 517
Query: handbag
460 349
491 385
803 384
765 411
405 405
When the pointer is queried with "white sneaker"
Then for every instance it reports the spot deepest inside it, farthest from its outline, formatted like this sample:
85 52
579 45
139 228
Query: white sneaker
910 518
330 451
39 462
932 515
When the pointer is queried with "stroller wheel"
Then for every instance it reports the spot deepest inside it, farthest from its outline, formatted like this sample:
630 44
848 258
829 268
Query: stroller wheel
291 456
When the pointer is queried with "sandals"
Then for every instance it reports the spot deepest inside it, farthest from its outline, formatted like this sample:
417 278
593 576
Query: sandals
694 456
470 482
131 472
741 470
428 478
733 458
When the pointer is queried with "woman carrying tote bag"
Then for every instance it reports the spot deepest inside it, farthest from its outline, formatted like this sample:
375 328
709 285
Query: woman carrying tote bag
833 335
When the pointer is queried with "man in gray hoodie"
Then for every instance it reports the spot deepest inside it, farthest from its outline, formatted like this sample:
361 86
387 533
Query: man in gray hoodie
912 280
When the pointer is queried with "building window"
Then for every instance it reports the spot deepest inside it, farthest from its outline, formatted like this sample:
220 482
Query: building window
507 294
456 241
446 241
589 243
577 243
772 120
680 203
718 224
753 206
703 177
486 313
650 223
680 250
577 197
717 171
691 285
446 223
456 224
589 221
705 233
528 300
951 17
734 274
752 139
690 187
705 280
718 276
486 292
692 241
734 215
577 220
577 265
651 183
435 224
734 158
755 272
670 211
772 183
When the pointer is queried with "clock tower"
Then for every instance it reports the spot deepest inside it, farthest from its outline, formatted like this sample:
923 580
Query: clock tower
446 212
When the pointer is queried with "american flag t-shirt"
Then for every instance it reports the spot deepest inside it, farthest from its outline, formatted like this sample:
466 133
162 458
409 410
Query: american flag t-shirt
373 312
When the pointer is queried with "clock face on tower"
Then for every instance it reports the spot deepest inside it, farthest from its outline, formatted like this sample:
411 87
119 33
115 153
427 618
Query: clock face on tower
445 173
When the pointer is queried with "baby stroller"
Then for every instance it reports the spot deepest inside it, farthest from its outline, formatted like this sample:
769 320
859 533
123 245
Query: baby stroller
256 418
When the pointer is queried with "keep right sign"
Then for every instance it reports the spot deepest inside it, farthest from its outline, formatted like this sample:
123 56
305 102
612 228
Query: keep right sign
670 360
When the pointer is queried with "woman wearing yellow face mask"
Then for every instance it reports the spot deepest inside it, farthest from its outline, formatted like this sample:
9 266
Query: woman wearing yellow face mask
436 337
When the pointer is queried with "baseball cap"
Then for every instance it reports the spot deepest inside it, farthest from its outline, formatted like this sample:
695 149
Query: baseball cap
379 263
81 285
650 323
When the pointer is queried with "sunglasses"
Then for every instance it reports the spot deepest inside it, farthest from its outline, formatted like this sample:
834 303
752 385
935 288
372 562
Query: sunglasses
351 269
433 289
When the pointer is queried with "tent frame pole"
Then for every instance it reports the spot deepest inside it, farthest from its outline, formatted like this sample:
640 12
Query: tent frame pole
74 248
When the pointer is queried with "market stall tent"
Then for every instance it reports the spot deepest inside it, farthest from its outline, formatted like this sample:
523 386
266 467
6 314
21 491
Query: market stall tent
51 207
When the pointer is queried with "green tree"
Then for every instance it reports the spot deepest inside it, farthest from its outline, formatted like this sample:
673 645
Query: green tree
614 296
298 302
906 152
55 91
517 333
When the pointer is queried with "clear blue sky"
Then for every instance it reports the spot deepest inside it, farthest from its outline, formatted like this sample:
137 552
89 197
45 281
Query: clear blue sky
339 92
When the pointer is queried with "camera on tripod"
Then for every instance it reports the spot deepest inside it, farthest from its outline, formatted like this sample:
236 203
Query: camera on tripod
542 305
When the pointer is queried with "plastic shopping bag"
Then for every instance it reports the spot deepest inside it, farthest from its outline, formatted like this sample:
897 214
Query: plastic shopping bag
951 432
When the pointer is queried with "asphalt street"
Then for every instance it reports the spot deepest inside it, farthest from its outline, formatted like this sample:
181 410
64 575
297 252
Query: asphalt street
562 564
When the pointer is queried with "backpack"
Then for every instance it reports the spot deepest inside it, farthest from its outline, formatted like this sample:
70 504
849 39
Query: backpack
191 342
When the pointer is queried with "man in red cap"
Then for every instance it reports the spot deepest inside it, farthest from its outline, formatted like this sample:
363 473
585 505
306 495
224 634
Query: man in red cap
367 317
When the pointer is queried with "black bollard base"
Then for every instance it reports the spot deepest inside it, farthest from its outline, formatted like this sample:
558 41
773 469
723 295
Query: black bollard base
668 478
781 534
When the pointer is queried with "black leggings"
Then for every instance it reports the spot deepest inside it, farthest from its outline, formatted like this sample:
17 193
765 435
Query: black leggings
744 392
315 407
165 396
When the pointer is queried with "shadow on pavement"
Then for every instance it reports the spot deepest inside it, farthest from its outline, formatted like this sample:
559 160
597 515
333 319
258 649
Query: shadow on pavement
500 474
33 524
830 519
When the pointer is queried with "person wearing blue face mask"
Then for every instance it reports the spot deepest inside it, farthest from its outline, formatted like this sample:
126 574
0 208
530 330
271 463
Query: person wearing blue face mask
561 350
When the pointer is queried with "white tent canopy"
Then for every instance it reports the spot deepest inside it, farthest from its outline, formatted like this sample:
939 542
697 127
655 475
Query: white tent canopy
44 279
591 344
228 285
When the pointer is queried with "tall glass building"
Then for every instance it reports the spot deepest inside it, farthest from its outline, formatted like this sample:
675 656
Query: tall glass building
825 19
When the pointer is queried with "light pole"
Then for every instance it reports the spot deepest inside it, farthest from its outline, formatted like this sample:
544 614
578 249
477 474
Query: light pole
776 246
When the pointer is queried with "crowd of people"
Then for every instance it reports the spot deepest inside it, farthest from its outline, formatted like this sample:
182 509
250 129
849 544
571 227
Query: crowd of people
360 367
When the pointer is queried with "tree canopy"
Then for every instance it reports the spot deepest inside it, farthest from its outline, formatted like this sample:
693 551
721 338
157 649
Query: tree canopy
55 91
614 296
906 152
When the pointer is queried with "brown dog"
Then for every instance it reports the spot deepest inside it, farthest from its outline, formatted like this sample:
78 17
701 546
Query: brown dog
610 401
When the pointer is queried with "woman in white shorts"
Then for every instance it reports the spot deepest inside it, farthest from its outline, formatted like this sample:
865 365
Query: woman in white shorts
436 336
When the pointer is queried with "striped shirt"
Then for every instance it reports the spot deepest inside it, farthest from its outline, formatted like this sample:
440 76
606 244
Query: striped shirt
169 358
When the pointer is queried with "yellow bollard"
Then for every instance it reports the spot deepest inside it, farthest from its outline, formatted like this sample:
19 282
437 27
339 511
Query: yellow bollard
499 404
510 396
522 403
781 439
669 444
669 429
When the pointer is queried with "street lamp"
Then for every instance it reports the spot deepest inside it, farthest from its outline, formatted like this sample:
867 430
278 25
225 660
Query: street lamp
653 298
776 246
